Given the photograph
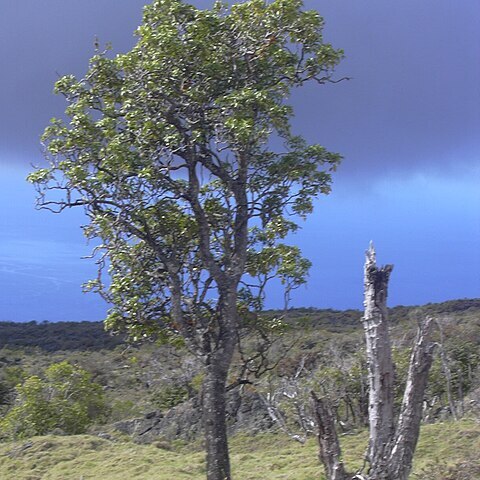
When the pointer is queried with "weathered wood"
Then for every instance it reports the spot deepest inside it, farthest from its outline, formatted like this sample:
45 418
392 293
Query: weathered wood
379 360
408 427
329 447
392 444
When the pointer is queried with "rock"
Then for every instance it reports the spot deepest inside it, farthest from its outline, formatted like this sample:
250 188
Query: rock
245 413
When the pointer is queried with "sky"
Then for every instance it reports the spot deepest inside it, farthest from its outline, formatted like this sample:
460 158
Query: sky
407 125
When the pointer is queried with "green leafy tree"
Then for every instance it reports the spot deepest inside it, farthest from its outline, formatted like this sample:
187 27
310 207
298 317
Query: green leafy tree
65 399
169 148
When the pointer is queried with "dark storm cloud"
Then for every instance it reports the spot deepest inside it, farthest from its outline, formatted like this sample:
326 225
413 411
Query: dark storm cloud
39 40
413 100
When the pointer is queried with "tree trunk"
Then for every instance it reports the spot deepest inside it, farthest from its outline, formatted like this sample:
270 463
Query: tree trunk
214 403
380 365
408 427
329 446
217 365
390 452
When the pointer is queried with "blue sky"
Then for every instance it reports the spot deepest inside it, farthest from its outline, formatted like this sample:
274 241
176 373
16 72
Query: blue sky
407 124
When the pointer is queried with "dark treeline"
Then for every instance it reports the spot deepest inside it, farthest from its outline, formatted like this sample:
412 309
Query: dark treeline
345 319
52 337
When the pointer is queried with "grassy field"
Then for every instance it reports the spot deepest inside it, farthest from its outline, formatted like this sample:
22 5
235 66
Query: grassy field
264 457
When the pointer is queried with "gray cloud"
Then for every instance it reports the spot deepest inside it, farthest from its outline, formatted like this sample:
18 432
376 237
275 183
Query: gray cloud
41 40
413 100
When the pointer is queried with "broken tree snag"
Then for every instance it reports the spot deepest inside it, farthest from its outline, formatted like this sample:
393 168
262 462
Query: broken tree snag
408 427
446 370
379 360
329 447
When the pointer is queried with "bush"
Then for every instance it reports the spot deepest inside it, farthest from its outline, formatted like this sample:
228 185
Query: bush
170 396
66 400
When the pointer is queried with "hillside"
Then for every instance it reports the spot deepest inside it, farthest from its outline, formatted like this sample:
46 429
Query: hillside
138 379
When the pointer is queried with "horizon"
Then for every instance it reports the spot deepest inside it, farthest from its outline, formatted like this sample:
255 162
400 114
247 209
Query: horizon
290 309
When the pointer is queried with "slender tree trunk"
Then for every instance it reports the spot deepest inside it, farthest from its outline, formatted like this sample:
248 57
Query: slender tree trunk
380 365
329 446
214 389
408 427
214 408
447 372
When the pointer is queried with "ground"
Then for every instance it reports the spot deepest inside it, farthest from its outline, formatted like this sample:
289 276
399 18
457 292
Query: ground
265 457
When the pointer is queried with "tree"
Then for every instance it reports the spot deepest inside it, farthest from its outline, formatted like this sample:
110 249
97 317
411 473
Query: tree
170 150
65 399
392 442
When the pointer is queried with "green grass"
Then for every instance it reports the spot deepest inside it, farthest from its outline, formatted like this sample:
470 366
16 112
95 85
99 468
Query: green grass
263 457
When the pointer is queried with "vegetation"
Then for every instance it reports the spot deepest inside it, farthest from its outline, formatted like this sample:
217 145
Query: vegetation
324 345
58 336
443 448
145 376
64 400
141 378
91 336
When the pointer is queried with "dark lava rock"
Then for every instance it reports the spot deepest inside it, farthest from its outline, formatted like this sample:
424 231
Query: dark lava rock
246 412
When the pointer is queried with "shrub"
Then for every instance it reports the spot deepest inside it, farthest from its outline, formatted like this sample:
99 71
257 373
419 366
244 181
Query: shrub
66 399
170 396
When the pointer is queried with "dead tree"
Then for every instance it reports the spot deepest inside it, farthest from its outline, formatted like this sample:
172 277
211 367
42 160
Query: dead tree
403 445
291 390
330 453
392 443
379 359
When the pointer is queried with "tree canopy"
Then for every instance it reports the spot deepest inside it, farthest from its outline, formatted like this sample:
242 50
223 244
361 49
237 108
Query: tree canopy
168 148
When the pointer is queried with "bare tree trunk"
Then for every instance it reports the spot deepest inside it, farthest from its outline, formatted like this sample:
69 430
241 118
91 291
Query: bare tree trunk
380 365
447 372
390 452
408 427
329 446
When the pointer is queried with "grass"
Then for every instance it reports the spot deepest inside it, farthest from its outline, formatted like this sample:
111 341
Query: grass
262 457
